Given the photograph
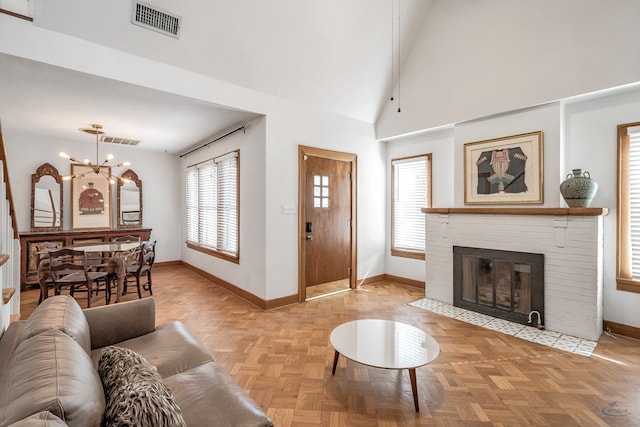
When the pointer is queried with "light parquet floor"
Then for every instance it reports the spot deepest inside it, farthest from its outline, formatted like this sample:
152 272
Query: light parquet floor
283 359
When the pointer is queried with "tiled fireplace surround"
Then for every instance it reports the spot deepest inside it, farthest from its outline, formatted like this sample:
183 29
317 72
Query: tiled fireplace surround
570 239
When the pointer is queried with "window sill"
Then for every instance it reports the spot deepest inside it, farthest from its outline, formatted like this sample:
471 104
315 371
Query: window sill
628 285
209 251
407 254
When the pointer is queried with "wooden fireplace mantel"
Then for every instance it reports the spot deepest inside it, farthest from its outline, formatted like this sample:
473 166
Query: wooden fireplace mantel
520 211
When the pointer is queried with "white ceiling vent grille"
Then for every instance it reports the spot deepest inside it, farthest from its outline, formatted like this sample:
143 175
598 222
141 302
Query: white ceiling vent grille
121 141
155 19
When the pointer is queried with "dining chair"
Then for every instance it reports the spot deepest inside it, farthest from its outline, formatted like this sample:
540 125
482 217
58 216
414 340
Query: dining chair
140 268
150 257
124 239
100 262
70 268
42 253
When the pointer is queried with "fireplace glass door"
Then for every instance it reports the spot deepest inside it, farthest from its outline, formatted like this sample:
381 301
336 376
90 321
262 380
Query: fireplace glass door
504 284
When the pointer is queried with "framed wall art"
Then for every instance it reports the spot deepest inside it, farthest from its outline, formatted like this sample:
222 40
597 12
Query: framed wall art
504 170
90 197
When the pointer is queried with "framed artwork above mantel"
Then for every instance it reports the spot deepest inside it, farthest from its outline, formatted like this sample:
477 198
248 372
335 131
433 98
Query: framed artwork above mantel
505 170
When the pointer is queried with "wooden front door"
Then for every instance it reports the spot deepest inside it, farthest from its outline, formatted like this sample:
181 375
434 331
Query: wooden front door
326 217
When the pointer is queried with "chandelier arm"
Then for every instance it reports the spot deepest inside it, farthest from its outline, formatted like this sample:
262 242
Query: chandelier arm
97 166
108 178
97 138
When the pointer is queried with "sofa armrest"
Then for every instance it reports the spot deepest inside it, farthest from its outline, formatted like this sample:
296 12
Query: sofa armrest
111 324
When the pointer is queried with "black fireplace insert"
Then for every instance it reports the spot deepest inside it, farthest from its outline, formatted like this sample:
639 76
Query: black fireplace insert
504 284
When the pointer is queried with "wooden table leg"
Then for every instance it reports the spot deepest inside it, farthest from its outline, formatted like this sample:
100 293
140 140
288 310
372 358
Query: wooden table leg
335 362
414 387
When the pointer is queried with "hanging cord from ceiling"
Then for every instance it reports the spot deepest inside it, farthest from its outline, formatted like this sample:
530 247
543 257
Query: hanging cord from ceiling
393 50
231 132
392 57
399 59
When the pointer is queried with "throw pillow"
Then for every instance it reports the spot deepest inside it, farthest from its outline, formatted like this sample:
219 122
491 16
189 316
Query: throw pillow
135 394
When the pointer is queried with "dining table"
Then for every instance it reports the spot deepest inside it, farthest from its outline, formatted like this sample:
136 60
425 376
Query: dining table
117 257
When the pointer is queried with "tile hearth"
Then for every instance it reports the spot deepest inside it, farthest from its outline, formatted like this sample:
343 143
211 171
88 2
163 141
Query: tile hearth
550 339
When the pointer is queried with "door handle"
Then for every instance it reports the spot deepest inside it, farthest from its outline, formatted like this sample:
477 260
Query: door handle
309 237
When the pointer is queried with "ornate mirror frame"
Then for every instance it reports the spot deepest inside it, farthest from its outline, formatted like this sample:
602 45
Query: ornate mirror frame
123 220
44 170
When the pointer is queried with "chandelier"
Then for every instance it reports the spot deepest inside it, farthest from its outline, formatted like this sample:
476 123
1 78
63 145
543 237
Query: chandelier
96 167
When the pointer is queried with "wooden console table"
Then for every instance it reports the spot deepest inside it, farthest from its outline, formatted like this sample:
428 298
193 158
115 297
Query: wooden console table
30 240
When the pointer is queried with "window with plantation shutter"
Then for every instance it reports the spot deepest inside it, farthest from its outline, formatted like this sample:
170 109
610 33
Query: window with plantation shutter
628 208
212 206
411 185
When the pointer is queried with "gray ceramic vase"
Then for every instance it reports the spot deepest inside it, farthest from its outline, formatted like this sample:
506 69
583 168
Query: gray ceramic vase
578 189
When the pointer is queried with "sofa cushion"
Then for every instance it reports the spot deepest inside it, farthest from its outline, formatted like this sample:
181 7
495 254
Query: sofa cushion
135 318
60 312
135 393
51 372
209 397
9 342
170 348
41 419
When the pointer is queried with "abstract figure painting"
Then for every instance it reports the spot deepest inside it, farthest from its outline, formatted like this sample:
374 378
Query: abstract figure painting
505 170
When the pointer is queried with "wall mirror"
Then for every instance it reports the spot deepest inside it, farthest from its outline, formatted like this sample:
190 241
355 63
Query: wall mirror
129 200
46 199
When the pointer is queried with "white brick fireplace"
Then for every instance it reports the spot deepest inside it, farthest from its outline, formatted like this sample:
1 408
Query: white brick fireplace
570 239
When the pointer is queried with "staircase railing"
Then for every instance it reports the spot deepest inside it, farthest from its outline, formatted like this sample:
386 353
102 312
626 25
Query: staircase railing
9 245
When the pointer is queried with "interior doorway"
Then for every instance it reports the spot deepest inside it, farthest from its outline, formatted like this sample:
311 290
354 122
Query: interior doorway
326 222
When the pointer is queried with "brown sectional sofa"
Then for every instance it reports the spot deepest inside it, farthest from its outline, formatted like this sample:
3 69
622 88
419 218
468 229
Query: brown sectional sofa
49 375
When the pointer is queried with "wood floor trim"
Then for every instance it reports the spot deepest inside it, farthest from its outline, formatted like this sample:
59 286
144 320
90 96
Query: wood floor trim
247 296
391 278
169 263
621 329
404 281
370 280
289 299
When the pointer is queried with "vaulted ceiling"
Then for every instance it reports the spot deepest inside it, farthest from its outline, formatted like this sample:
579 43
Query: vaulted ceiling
334 55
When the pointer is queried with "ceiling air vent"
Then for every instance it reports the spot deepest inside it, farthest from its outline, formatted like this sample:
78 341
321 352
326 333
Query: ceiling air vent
121 141
155 19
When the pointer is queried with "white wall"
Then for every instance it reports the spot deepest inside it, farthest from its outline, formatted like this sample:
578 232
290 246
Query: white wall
287 126
544 118
477 58
249 274
440 144
591 144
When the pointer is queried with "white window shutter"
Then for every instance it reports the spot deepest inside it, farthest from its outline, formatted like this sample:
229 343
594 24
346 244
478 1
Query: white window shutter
212 203
409 197
634 202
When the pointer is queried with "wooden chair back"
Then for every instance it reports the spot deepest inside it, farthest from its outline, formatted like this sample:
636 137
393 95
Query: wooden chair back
64 262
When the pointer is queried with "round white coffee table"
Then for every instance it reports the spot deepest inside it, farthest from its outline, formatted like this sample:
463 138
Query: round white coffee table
385 344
